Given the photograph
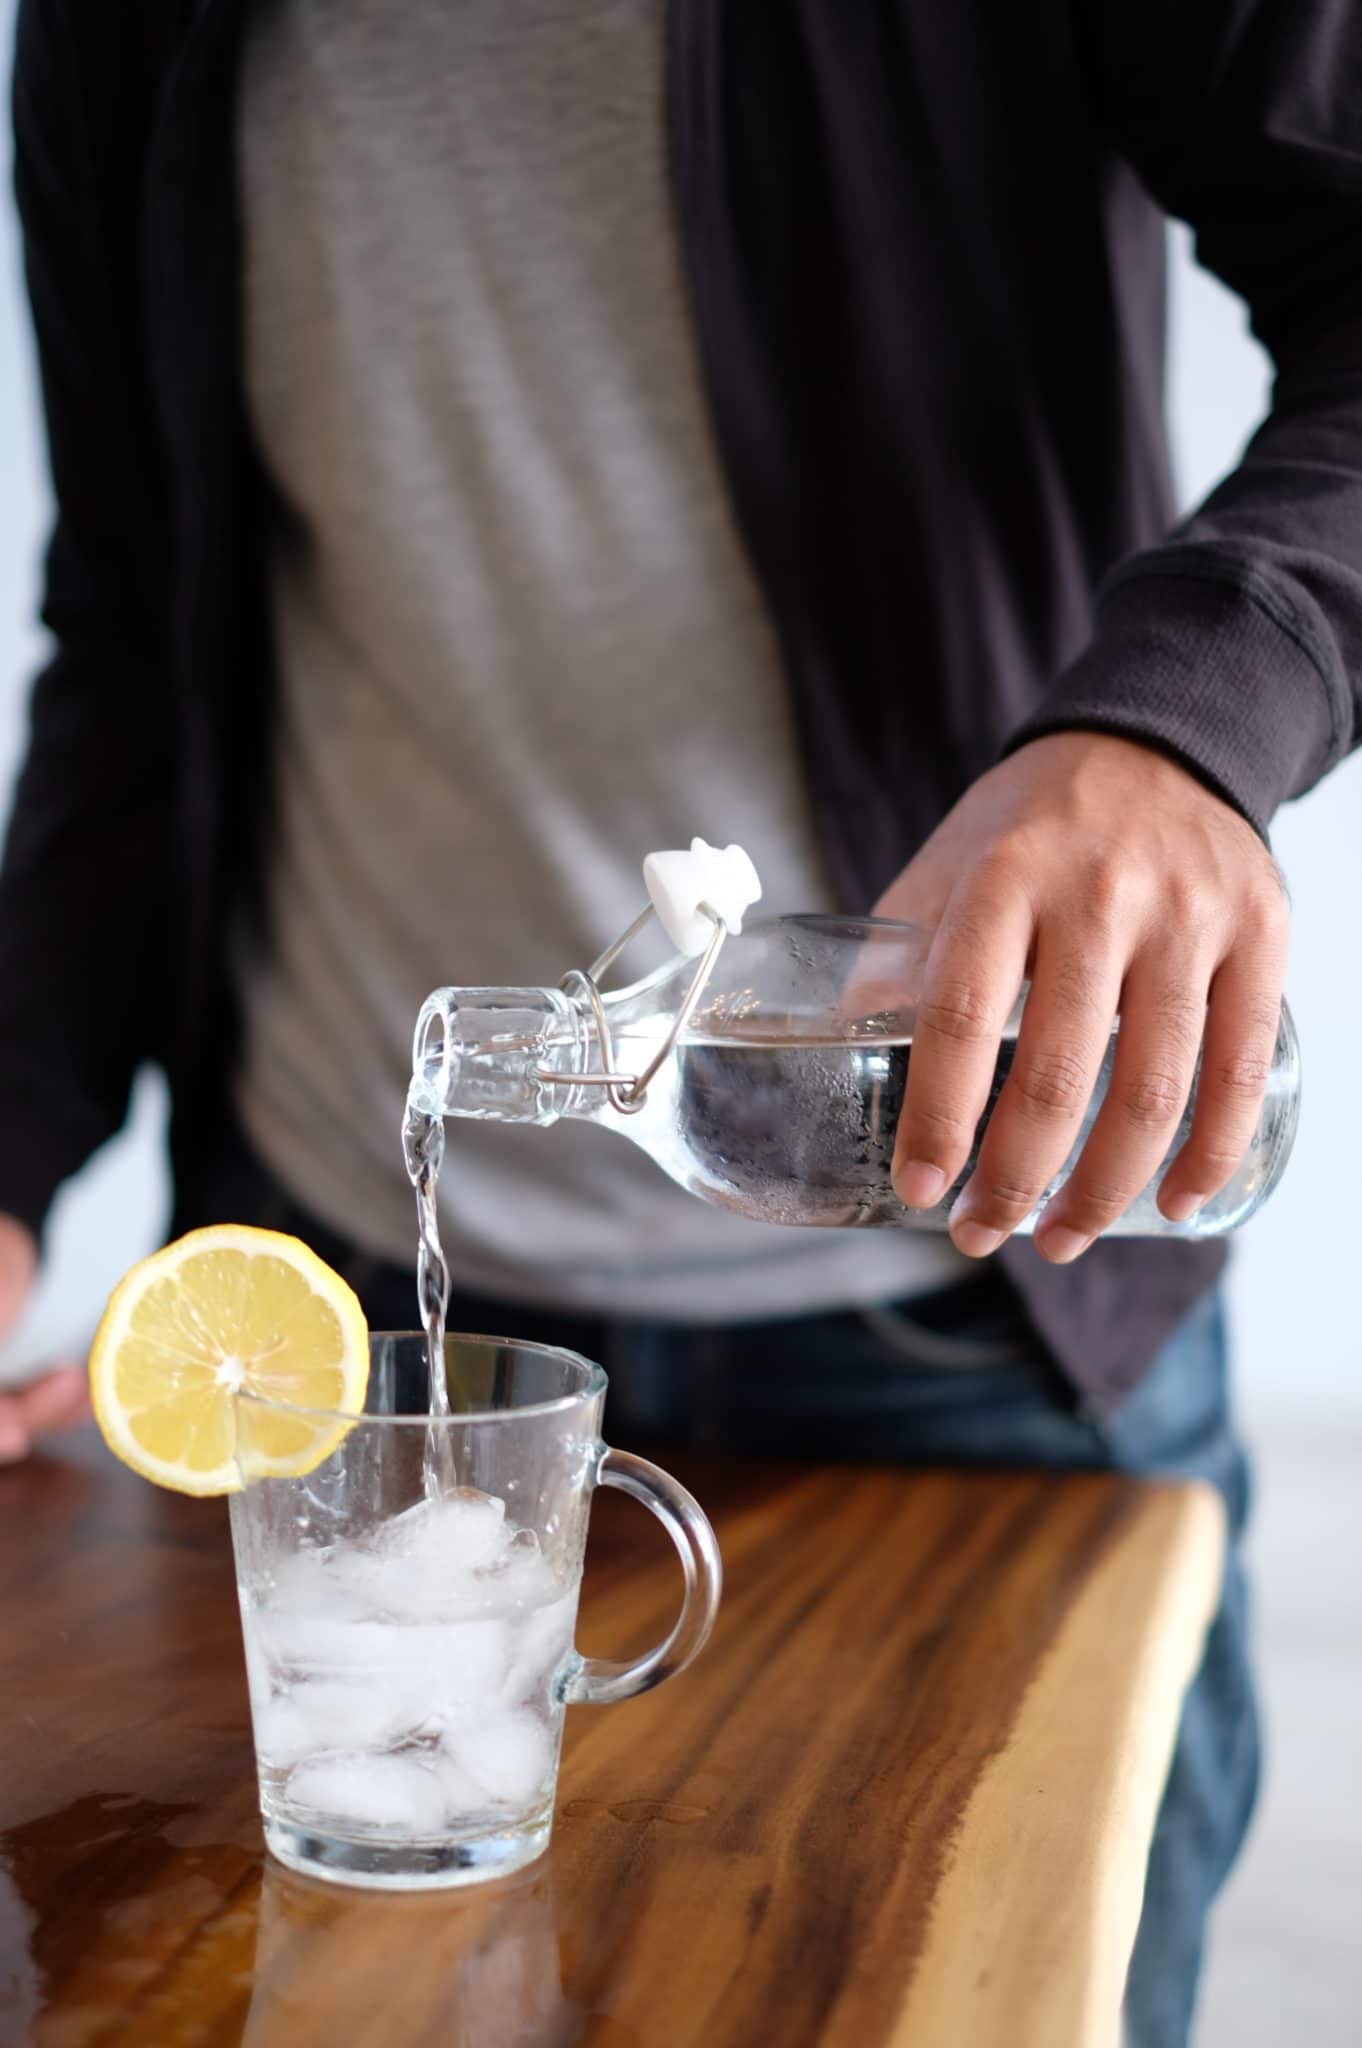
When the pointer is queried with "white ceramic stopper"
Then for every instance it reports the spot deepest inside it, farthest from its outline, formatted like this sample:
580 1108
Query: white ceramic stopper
678 883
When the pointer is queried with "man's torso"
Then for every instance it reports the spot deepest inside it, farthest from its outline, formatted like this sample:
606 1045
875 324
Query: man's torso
519 640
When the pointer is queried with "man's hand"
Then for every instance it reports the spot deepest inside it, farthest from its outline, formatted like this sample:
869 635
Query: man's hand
1108 875
58 1398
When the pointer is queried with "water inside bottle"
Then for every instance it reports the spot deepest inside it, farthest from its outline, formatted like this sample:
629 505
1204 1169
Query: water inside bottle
800 1129
789 1129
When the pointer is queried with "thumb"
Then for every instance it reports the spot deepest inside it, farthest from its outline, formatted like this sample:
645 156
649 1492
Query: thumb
18 1264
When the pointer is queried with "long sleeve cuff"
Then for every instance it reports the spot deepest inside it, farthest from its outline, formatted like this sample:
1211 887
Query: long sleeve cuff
42 1142
1214 669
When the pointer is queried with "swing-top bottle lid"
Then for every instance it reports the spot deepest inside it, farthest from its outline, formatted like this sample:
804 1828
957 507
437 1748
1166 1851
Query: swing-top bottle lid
678 883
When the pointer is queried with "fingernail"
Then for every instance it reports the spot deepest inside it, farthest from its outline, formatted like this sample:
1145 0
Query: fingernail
1182 1208
1059 1244
975 1240
919 1185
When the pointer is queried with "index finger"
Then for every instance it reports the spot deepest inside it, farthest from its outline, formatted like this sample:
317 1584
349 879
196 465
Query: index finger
973 975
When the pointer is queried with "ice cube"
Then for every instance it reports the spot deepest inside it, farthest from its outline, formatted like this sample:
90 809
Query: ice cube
507 1756
389 1677
318 1644
539 1644
429 1676
314 1614
464 1799
283 1736
400 1796
518 1577
428 1559
393 1677
335 1714
459 1532
464 1663
314 1576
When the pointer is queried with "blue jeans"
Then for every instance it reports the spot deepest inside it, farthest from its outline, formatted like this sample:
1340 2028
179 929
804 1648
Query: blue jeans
954 1379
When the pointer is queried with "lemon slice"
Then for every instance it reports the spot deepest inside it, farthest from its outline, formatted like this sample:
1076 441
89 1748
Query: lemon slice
224 1310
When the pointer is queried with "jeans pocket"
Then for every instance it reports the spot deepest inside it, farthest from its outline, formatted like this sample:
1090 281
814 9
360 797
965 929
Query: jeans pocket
1001 1338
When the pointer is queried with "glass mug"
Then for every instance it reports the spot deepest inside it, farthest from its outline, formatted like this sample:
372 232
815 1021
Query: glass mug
409 1658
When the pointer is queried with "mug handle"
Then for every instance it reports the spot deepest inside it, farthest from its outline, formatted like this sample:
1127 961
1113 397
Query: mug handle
599 1680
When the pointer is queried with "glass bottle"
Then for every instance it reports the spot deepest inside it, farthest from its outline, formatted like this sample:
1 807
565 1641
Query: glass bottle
781 1092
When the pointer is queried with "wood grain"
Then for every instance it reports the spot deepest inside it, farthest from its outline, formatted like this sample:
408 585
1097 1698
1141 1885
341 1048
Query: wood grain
905 1796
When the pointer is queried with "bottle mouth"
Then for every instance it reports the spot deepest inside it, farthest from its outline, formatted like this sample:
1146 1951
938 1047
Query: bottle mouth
434 1052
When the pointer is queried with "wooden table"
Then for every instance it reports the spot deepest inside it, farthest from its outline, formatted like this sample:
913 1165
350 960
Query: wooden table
904 1797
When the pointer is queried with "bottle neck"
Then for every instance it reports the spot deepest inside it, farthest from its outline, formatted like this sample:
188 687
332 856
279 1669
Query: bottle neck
494 1053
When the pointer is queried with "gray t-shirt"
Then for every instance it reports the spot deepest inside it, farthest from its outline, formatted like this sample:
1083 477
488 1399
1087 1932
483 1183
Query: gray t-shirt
519 641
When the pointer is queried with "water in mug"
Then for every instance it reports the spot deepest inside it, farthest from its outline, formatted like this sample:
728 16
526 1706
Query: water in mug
403 1685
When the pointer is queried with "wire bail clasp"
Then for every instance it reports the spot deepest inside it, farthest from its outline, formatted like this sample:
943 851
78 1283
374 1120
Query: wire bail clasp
628 1092
699 896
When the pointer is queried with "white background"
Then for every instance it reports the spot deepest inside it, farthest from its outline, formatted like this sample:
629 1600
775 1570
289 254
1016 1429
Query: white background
1285 1952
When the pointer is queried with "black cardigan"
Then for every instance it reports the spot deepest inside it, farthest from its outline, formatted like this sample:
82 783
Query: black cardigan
924 245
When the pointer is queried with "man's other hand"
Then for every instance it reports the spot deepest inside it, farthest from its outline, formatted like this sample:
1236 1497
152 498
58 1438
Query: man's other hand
57 1398
1115 881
